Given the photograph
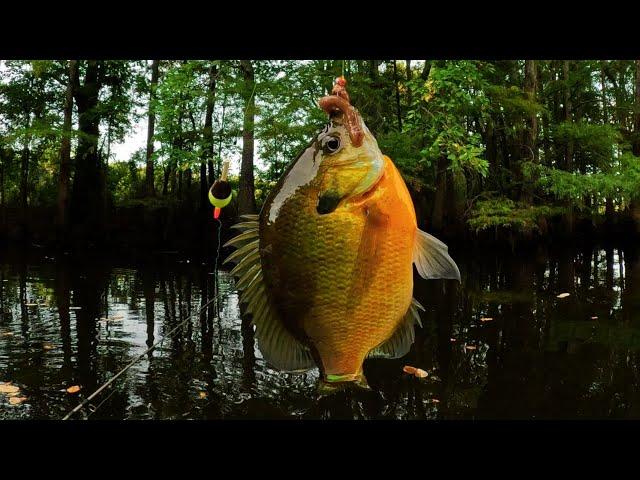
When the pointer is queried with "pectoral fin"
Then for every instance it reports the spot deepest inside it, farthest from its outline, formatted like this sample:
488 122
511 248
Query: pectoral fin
432 259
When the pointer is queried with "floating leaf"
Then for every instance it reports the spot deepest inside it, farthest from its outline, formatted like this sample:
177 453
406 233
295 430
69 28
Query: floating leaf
486 319
470 347
435 400
8 388
31 304
75 308
417 372
563 295
452 339
594 318
74 389
6 334
16 400
47 346
202 395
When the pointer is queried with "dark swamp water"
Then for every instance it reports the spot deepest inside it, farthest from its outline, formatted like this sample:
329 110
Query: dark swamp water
67 322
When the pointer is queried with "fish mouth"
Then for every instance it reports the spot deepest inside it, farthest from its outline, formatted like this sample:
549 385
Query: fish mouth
328 202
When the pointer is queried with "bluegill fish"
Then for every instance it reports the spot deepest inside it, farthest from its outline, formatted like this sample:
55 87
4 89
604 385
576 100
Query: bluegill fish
326 269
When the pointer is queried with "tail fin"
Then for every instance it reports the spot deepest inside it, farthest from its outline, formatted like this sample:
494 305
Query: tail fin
336 383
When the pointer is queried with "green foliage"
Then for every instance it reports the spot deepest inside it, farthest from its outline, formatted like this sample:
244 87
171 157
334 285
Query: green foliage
403 148
595 145
511 99
468 126
623 179
505 213
440 110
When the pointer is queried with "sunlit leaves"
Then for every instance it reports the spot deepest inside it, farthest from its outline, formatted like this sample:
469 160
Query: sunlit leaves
506 213
441 110
7 388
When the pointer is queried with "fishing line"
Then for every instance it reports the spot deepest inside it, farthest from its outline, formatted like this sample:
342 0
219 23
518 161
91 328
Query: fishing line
86 401
215 265
255 84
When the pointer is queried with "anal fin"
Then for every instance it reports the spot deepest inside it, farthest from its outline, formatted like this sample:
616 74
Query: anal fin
400 342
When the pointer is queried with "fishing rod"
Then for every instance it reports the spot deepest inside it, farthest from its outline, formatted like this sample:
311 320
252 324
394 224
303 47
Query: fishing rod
220 195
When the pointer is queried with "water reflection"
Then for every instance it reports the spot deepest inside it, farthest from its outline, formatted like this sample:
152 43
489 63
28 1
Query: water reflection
501 345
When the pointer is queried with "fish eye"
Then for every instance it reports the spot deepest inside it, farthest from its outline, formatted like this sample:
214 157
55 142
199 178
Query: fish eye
331 145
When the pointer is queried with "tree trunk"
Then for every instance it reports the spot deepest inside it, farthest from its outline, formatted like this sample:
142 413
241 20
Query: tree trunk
634 206
186 188
395 82
204 189
634 202
24 175
546 141
568 115
426 70
165 181
568 153
133 176
373 69
603 94
150 170
530 88
246 195
409 76
211 172
492 146
609 211
437 217
65 152
207 137
2 193
87 196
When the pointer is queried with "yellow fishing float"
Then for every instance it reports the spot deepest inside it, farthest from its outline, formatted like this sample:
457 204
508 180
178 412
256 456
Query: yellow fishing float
220 192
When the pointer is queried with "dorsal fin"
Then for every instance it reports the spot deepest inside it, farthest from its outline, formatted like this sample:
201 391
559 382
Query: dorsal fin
400 342
278 346
432 259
